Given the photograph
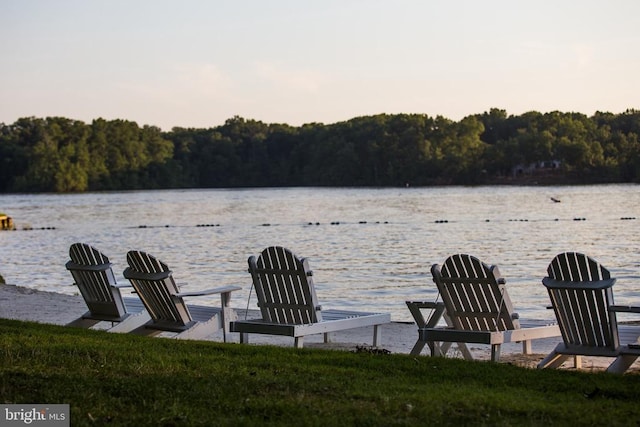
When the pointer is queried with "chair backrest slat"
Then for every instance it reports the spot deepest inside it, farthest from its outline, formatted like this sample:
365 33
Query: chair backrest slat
284 287
474 294
157 294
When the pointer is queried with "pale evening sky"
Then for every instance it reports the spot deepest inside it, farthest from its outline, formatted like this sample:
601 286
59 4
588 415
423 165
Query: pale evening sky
196 63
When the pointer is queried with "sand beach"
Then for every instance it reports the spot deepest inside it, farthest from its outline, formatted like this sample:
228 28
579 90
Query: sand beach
22 303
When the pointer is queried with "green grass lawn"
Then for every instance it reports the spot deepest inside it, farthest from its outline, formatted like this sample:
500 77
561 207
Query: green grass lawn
112 379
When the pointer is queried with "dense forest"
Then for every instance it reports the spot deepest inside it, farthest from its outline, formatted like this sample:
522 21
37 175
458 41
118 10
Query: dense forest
57 154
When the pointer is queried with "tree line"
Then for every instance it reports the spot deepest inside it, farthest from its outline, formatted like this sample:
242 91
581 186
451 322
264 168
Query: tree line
57 154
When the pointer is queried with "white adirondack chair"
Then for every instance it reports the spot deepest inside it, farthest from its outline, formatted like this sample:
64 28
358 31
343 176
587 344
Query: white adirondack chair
93 275
153 281
477 309
289 305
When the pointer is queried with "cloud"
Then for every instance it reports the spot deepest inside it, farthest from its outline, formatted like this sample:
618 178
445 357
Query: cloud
206 79
182 81
301 81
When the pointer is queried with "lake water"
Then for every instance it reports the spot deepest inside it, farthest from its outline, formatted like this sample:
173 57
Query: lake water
370 249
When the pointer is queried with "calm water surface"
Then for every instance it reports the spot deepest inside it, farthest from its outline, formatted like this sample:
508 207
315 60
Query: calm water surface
370 249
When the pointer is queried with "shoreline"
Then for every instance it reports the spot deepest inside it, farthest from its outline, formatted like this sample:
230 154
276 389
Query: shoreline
26 304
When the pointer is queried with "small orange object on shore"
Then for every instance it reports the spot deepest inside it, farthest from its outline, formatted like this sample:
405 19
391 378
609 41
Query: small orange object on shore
6 222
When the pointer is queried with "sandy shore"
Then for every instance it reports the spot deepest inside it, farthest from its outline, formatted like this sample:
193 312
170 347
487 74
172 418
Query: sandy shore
397 337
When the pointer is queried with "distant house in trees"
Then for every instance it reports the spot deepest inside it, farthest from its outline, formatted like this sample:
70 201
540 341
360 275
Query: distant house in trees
536 168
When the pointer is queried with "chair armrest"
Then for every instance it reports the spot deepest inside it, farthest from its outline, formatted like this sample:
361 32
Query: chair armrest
119 286
220 290
138 275
70 265
624 309
565 284
424 304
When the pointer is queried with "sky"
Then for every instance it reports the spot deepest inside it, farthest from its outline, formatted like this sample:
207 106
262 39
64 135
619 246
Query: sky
197 63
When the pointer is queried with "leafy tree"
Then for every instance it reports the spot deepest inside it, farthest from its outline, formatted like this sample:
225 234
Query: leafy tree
59 154
495 126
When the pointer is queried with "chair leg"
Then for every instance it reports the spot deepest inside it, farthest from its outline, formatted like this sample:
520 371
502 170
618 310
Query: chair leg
377 335
244 338
444 347
130 323
553 360
144 331
417 347
439 349
495 352
622 363
328 337
200 330
299 342
577 362
526 347
465 351
81 322
228 314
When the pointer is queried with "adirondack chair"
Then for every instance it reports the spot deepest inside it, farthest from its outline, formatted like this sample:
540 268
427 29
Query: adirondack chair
289 305
153 281
478 310
581 294
92 273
